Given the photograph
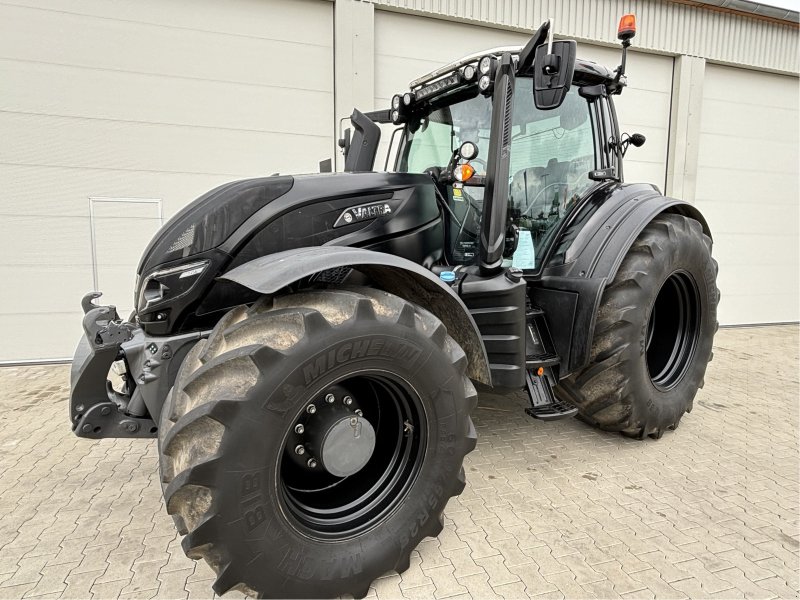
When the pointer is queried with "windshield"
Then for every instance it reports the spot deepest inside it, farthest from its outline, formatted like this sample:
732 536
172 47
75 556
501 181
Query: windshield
552 153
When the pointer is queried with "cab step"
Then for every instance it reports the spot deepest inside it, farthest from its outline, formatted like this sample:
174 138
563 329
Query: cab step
544 404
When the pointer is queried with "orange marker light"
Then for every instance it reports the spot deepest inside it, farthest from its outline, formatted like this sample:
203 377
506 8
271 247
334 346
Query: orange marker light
540 371
463 172
627 27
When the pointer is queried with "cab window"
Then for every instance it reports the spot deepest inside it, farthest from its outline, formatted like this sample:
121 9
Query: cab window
552 153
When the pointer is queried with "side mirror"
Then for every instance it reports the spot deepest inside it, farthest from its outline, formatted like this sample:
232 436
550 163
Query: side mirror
553 68
635 139
360 155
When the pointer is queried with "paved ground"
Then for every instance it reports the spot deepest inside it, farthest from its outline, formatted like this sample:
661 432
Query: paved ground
551 510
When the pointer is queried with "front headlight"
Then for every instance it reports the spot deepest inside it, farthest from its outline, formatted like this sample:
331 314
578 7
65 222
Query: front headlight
168 284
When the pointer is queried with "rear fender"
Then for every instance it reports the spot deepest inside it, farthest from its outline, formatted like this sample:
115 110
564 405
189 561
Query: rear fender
272 273
587 257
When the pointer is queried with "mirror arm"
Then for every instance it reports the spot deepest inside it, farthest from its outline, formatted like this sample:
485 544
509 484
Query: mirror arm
528 52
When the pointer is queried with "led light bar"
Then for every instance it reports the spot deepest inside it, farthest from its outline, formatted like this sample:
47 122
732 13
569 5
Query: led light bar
438 86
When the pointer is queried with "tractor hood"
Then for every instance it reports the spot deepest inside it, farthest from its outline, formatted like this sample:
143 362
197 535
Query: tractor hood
244 220
210 220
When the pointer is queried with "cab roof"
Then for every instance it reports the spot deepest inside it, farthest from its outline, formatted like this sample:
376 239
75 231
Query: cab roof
586 71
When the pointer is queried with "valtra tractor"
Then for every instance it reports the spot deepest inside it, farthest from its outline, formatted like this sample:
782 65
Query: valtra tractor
306 348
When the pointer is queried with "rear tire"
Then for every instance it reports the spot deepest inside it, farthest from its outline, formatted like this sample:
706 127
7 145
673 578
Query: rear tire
269 522
653 335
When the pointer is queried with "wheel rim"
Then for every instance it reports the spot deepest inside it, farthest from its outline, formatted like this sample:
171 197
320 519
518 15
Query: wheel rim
673 330
327 495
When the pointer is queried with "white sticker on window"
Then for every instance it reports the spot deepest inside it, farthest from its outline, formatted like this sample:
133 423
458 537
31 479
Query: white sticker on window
524 256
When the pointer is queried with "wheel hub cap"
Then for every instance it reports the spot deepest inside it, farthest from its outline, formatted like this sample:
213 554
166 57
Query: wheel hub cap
347 445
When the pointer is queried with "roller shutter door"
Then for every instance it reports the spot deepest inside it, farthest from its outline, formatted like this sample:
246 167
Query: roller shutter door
747 187
138 102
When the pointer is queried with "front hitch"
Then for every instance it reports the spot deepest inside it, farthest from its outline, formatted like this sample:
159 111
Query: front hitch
96 409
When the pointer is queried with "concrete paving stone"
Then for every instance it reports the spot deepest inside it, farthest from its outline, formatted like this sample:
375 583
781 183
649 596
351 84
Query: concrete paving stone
478 545
622 582
414 576
512 554
668 569
388 587
16 591
120 565
53 578
479 588
533 580
497 570
465 565
173 583
508 591
29 571
780 587
447 585
431 555
145 576
79 585
752 570
109 589
750 589
600 589
543 557
565 583
565 510
653 581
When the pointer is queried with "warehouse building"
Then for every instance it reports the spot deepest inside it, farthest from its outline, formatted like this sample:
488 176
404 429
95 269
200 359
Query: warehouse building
114 115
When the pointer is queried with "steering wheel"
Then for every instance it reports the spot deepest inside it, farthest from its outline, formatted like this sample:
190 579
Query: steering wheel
479 161
536 197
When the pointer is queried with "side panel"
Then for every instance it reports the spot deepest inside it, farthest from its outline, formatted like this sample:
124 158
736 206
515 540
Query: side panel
270 274
587 258
498 306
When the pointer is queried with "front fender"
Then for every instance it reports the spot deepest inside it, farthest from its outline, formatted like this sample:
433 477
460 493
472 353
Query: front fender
586 258
271 273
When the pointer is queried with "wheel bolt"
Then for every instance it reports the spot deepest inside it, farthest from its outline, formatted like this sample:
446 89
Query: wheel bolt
311 463
299 449
347 400
311 409
299 429
359 412
330 398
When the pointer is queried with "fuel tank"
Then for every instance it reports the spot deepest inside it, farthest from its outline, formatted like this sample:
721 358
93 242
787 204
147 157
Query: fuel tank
177 287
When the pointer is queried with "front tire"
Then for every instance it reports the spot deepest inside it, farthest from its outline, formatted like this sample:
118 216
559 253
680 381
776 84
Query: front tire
260 460
653 335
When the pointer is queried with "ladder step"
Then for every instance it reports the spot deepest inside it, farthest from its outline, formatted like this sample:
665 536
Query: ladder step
543 360
544 404
552 412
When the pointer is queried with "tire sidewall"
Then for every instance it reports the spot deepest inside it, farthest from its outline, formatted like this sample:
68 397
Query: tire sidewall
664 407
257 524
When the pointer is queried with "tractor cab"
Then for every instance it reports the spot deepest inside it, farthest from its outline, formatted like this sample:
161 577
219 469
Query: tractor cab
513 139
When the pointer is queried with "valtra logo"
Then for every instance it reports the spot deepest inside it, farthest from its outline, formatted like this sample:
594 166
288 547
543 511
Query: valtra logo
363 212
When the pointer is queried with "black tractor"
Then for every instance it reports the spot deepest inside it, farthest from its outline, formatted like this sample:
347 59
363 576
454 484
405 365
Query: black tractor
307 348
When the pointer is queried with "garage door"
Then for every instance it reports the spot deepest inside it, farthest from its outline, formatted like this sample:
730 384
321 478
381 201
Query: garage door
408 46
140 107
747 186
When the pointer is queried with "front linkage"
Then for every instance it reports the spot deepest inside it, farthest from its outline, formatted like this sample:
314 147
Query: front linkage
97 410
